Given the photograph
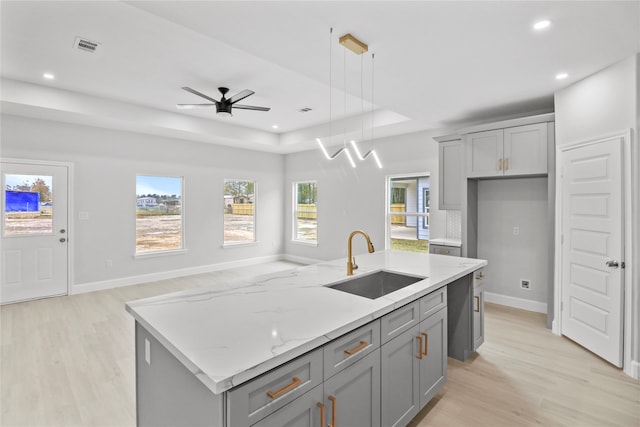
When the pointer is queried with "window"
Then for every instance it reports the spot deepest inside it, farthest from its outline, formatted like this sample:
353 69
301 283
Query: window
28 205
305 211
239 211
159 203
408 213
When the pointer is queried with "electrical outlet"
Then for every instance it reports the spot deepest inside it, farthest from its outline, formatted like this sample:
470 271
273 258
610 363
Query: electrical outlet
516 231
525 284
108 263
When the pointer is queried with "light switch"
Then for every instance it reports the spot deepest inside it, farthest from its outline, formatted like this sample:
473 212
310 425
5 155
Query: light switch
516 231
83 216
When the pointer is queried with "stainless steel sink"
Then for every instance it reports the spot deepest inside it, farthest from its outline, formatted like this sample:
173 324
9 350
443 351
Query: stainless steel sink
376 285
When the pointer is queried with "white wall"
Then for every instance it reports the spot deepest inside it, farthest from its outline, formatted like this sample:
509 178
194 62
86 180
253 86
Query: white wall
350 199
502 205
105 165
605 103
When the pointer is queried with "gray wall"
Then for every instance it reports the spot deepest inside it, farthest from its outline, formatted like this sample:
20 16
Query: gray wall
502 205
350 199
106 163
605 103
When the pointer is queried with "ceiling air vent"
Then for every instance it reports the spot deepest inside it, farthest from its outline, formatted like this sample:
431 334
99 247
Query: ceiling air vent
85 44
305 110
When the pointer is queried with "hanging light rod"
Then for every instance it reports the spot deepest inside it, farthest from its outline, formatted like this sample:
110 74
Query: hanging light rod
353 44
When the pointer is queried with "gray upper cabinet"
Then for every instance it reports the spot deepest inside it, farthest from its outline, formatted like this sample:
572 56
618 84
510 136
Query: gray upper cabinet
513 151
450 174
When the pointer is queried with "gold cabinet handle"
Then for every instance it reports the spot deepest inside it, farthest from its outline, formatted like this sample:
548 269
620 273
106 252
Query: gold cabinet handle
295 383
333 411
499 164
419 338
321 406
477 309
357 348
506 163
444 251
426 343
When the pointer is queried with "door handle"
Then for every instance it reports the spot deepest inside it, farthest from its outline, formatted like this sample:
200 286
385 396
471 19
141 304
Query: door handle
62 240
612 264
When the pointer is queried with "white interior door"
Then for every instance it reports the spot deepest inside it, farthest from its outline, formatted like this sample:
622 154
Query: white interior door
34 231
593 247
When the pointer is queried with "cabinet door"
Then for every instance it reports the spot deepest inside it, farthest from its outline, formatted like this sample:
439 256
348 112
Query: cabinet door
525 150
302 412
400 373
450 175
354 394
433 365
478 308
484 153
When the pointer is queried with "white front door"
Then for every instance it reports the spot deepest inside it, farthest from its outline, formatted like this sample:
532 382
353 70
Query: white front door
34 231
593 247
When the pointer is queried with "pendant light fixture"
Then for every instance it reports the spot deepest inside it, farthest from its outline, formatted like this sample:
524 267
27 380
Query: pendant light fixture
356 46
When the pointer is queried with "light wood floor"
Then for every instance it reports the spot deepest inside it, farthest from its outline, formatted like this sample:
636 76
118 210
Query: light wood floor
69 361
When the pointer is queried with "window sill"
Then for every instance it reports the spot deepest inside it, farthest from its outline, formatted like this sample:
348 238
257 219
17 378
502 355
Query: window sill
304 243
238 244
160 253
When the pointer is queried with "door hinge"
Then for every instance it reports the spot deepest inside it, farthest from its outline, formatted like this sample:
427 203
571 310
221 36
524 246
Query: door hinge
562 239
561 305
622 264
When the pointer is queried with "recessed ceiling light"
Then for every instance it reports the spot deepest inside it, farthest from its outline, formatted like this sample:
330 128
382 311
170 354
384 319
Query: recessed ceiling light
541 25
561 76
274 126
48 76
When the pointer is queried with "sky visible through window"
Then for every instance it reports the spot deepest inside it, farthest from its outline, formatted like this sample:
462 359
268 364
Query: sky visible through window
160 185
12 180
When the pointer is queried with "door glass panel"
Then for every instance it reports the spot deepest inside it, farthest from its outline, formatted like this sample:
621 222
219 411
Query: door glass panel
28 205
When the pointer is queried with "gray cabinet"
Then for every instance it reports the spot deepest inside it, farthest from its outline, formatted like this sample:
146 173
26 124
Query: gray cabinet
433 365
478 309
302 412
400 373
444 250
513 151
414 363
450 174
352 397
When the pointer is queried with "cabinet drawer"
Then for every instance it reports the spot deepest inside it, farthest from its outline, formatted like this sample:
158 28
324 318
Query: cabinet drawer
444 250
350 348
433 302
250 402
398 321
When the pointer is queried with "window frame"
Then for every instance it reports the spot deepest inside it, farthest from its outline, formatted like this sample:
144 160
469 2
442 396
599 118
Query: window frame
389 213
236 243
295 211
163 252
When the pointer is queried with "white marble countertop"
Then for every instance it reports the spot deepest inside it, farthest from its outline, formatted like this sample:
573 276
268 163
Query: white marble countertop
446 242
228 334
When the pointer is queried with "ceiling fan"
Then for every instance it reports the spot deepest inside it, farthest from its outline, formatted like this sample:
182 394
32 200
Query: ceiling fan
224 106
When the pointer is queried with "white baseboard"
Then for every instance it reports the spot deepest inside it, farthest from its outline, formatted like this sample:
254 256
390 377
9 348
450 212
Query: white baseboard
634 370
299 259
521 303
152 277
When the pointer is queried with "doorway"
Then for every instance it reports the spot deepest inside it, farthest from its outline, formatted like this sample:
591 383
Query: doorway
408 205
35 246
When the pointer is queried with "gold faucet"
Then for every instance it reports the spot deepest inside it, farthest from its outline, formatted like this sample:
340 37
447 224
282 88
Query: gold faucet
351 261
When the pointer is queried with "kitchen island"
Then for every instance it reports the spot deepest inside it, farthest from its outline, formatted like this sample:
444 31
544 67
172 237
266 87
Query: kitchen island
221 355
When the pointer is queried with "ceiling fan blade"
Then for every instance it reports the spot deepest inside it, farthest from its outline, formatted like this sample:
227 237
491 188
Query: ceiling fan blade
195 92
250 107
192 106
240 96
